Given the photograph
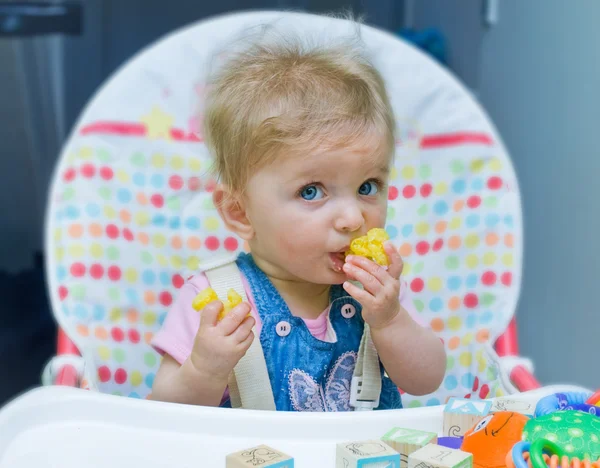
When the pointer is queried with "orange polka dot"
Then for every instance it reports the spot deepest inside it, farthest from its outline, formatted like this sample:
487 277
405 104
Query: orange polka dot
101 333
149 297
483 335
133 316
75 230
459 205
148 337
176 242
454 342
454 303
454 242
95 230
509 240
491 239
82 330
405 250
193 243
441 226
142 199
143 238
437 324
125 216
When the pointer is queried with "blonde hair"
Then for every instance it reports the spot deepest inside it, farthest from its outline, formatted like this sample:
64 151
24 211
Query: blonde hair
284 96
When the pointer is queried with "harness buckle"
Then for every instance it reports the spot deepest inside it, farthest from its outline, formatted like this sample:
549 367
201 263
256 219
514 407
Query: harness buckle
358 401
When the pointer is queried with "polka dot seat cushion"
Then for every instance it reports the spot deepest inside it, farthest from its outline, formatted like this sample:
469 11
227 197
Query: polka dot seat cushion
130 213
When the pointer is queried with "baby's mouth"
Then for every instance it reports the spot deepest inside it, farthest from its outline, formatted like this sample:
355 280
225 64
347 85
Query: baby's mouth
338 259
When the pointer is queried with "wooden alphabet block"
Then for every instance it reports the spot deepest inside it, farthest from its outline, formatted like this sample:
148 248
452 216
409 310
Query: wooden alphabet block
406 441
461 414
436 456
515 406
261 455
366 454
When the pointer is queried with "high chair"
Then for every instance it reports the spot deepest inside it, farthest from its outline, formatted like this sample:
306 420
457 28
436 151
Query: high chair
130 218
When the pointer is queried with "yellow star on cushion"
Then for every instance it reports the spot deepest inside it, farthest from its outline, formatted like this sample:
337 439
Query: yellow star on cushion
158 124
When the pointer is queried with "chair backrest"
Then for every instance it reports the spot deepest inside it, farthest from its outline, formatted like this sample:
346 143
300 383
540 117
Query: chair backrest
130 213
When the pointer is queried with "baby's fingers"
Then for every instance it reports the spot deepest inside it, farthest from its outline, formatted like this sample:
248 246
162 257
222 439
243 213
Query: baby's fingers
234 318
396 263
209 314
241 333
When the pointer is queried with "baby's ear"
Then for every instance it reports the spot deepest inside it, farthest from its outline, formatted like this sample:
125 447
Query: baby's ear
232 210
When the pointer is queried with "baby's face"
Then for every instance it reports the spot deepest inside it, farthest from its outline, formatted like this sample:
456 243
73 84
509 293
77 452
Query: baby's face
305 210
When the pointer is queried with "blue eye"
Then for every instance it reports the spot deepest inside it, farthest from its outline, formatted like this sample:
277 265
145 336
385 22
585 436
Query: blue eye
311 192
370 187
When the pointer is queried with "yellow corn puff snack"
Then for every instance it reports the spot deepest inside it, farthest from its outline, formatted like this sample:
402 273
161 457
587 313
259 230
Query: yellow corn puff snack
208 295
371 246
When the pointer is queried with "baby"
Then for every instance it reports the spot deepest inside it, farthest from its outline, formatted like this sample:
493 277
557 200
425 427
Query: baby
303 144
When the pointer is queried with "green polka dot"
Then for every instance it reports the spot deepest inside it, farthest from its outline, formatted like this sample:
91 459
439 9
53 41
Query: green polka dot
174 203
150 359
105 193
68 194
418 267
457 167
449 362
491 373
419 305
423 209
147 258
103 155
116 393
138 159
119 355
391 212
112 253
415 404
208 205
487 299
491 202
425 171
114 294
452 262
77 291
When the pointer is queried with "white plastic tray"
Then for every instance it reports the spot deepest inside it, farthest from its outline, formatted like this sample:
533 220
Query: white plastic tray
68 428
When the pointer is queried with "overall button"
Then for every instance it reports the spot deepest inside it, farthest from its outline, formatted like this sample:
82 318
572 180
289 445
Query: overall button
283 328
348 311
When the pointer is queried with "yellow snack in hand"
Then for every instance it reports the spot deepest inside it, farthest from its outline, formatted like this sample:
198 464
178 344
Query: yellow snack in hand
371 246
208 295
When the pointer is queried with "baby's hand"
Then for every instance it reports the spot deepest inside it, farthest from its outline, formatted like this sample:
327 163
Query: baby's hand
219 345
381 295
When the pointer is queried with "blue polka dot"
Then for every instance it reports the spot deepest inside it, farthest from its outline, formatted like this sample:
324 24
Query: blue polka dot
150 380
92 209
161 318
486 317
124 195
508 220
407 230
98 313
472 220
450 382
433 402
477 184
72 212
134 395
454 283
132 296
148 277
192 223
392 231
491 220
440 208
436 304
159 220
471 320
165 278
175 222
467 380
61 273
66 310
139 179
157 181
472 280
459 186
80 312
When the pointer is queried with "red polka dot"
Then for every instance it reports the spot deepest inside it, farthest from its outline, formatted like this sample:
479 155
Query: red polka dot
96 271
485 389
177 281
467 396
417 285
117 334
194 184
231 244
474 201
506 278
114 273
426 190
471 301
211 243
392 193
488 278
134 336
438 244
157 200
175 182
69 175
104 374
165 298
422 247
112 231
127 234
78 270
494 183
88 170
409 191
120 376
475 384
62 293
106 173
210 185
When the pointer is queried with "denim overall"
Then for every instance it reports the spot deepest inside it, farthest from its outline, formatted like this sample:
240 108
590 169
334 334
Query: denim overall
308 374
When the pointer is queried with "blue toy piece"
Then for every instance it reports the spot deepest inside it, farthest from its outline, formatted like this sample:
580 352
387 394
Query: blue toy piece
568 401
